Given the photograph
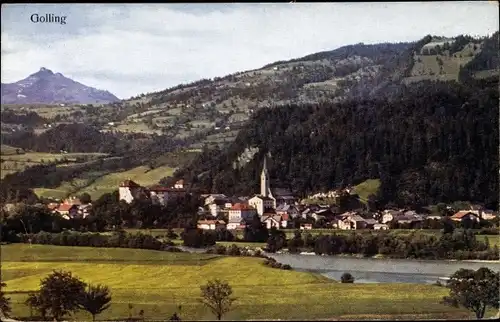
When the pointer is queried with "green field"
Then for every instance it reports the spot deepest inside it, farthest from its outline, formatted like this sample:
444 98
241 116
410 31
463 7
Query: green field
428 67
366 188
158 282
97 183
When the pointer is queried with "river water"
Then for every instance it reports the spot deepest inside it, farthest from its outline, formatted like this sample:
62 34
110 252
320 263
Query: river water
371 270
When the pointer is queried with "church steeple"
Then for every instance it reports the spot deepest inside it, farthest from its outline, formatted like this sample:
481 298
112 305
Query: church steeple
264 180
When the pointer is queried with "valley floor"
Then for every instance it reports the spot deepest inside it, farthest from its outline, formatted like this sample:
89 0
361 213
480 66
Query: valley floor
158 282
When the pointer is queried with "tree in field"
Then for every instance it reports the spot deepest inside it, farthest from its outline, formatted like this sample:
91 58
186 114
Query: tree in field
4 301
216 295
276 240
95 300
474 290
59 294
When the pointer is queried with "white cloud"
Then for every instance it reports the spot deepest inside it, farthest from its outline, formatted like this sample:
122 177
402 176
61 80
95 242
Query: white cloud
130 49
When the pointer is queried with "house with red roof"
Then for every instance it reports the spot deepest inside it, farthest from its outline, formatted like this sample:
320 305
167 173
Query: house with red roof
241 211
465 214
67 211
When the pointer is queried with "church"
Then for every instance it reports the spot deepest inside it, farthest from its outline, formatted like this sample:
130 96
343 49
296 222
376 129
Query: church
270 198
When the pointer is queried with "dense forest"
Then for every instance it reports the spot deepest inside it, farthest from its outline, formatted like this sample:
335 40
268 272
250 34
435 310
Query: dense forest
73 138
433 142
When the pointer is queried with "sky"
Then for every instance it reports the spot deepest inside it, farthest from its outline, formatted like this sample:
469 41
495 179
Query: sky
131 49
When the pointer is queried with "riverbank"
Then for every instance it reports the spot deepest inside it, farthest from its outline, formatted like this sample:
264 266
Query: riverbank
380 270
381 256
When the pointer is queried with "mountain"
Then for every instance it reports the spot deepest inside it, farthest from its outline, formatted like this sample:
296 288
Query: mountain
217 108
46 87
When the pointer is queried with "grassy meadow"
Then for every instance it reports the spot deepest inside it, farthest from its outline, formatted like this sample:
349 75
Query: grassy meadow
158 282
366 188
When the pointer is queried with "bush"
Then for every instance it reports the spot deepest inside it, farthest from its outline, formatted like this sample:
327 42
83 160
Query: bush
171 234
221 250
233 250
276 265
347 278
287 267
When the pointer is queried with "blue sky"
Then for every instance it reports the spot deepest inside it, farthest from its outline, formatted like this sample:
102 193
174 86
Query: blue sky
135 48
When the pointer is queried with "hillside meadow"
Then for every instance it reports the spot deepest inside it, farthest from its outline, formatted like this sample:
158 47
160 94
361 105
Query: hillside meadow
158 282
98 183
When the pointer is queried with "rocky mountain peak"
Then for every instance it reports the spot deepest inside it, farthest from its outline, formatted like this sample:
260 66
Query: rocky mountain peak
47 87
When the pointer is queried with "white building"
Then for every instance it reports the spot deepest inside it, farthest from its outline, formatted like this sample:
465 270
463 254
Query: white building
179 184
273 220
129 190
241 211
261 204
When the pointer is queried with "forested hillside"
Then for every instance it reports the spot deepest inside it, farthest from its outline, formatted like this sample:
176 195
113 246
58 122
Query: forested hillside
433 142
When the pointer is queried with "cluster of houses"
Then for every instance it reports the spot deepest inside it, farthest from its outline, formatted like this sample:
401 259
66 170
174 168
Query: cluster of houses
279 207
71 208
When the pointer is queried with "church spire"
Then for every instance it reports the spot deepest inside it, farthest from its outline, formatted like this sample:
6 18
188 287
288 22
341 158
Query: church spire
264 179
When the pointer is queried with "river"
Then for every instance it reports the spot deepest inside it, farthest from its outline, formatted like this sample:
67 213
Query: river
371 270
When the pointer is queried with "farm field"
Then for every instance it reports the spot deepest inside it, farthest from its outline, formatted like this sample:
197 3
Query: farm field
157 282
97 184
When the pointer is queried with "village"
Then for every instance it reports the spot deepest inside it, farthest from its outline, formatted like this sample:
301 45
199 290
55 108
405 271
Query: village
275 207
